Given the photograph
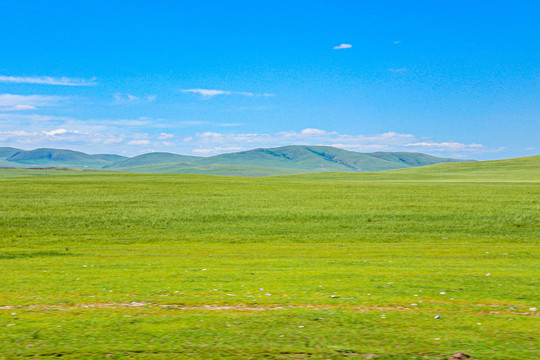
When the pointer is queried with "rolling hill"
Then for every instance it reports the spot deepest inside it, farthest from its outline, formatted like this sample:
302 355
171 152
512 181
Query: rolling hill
309 158
55 158
410 159
292 159
6 152
524 169
150 159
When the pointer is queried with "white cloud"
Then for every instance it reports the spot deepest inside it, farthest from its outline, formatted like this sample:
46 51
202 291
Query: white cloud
446 146
45 138
121 99
191 123
361 147
210 134
67 132
5 134
48 80
213 142
10 102
211 92
229 124
342 46
206 92
126 135
56 132
19 107
310 131
398 70
218 149
18 117
112 140
165 136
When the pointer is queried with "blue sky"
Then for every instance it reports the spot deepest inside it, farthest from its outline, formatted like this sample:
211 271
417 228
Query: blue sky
448 78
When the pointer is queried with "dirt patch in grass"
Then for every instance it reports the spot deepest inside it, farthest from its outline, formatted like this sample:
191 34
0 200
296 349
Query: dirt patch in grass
235 307
238 308
459 356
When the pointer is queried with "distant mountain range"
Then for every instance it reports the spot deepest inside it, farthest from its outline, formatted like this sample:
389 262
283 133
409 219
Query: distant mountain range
292 159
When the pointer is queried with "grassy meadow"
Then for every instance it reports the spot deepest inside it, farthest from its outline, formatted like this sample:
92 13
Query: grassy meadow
415 263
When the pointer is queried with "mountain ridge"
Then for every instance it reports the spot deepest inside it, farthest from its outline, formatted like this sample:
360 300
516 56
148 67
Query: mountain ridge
56 157
152 158
291 159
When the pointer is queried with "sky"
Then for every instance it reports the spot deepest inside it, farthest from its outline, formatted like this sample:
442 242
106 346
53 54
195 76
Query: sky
448 78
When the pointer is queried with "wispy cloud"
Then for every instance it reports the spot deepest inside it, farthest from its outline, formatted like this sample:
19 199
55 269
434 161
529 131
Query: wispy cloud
58 132
218 149
90 135
121 99
137 135
397 70
213 142
229 124
56 137
446 146
10 102
19 118
190 123
342 46
206 92
18 107
165 136
212 92
48 80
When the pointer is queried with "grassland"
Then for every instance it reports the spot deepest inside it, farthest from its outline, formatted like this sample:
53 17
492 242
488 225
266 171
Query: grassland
322 266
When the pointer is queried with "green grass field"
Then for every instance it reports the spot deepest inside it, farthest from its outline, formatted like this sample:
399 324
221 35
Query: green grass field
320 266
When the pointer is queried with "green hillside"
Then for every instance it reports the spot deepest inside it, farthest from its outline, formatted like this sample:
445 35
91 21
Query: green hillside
309 158
410 159
113 158
292 159
517 169
59 158
289 160
154 158
322 159
525 168
4 163
212 169
21 172
6 152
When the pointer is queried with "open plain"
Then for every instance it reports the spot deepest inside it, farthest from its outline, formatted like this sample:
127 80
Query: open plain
414 263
